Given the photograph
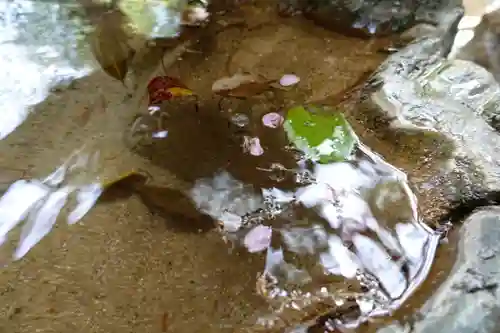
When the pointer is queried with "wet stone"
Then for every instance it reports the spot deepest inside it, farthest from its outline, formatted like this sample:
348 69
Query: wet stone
469 300
474 281
371 17
435 103
483 48
449 107
486 253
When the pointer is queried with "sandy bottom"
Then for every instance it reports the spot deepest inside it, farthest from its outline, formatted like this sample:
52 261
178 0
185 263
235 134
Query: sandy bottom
123 269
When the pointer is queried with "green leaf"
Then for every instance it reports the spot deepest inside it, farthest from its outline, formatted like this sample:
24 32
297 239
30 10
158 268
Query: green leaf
320 133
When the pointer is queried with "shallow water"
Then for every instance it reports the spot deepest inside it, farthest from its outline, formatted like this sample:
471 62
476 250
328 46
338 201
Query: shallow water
216 239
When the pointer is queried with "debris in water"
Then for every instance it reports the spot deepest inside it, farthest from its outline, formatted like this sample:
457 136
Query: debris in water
272 120
164 88
240 120
322 134
252 146
258 239
160 135
241 86
288 80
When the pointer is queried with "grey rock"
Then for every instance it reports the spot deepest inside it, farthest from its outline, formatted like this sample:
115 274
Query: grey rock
448 105
451 106
469 301
474 281
483 48
372 17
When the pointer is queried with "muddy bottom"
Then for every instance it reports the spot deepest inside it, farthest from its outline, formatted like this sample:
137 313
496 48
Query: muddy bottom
126 268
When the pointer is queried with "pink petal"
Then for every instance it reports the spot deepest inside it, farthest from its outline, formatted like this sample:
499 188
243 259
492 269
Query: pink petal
258 239
289 80
252 146
272 120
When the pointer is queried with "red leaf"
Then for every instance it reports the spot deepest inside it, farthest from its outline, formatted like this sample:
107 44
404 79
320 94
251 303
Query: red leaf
159 89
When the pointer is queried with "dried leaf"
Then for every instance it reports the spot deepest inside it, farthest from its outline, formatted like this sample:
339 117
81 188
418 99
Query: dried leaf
109 44
164 88
241 86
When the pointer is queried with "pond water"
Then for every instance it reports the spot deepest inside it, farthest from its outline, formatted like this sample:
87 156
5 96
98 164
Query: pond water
200 213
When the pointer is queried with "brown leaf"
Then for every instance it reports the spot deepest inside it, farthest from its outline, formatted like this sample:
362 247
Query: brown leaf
241 86
109 44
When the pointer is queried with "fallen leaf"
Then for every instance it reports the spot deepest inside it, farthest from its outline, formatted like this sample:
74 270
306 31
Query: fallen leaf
322 134
109 44
241 86
164 88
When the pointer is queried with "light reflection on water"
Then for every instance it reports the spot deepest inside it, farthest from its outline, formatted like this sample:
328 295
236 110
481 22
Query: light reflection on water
352 233
37 203
40 47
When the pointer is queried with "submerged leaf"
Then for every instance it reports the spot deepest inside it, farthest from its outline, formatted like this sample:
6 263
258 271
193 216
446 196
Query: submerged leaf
321 136
164 88
241 86
109 44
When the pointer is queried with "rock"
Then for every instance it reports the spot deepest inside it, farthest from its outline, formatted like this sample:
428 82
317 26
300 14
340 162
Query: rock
371 17
483 47
447 107
469 301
